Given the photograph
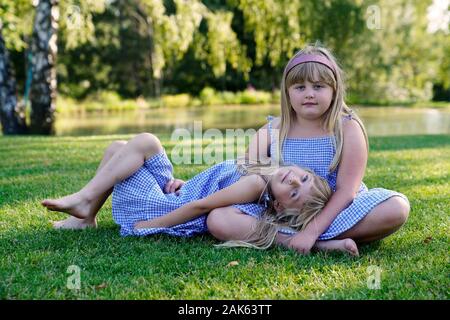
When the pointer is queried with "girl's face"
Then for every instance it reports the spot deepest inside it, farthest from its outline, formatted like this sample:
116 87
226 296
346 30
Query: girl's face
310 100
291 187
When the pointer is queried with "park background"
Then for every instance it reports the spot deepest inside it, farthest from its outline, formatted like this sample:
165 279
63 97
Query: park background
77 75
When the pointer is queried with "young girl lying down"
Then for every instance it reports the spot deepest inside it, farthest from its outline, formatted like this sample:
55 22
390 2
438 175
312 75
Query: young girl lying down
285 197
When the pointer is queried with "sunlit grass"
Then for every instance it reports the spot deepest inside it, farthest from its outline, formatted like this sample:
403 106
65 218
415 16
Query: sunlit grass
34 258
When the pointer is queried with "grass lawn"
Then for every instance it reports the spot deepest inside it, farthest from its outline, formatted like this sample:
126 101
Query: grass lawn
35 259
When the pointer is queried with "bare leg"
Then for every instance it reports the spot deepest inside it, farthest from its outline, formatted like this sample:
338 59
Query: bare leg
84 204
77 223
383 220
231 224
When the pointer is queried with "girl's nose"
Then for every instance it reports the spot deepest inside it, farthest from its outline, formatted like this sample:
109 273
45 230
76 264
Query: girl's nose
294 180
309 94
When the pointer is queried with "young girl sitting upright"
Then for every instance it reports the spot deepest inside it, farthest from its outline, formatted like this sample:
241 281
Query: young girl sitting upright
318 131
137 172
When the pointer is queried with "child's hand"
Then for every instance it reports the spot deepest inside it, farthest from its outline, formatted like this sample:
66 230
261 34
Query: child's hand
302 242
173 185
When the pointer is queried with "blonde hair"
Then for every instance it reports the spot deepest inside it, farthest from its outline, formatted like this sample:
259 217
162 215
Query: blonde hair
332 118
265 231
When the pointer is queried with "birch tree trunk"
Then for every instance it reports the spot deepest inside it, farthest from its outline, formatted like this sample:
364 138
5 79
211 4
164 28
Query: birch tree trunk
43 64
12 116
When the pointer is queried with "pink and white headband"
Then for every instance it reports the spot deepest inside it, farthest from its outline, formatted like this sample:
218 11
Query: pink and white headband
303 58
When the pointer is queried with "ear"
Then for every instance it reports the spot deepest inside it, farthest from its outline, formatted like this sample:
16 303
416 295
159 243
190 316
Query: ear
278 206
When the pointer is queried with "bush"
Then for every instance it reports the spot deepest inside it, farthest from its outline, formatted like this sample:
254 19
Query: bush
66 104
105 97
255 97
228 97
176 101
208 96
276 96
100 101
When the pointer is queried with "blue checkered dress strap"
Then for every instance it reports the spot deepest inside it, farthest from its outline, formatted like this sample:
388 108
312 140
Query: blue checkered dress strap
349 116
269 124
274 138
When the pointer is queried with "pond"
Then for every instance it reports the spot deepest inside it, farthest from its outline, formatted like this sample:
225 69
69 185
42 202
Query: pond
379 121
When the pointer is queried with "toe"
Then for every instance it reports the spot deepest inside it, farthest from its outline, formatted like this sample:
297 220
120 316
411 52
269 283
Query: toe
56 224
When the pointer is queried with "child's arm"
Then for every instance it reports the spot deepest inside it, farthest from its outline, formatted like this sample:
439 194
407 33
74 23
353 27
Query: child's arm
351 172
258 148
247 189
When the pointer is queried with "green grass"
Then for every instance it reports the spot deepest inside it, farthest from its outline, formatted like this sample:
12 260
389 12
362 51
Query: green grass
34 258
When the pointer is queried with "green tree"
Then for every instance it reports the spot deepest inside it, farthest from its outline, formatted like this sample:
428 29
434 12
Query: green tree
13 29
43 50
173 34
398 59
43 67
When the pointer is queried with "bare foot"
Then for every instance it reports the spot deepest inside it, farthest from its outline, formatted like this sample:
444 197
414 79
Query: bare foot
75 223
345 245
73 204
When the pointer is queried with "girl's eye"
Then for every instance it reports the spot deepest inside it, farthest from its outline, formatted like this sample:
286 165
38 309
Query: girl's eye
318 86
301 87
294 193
305 178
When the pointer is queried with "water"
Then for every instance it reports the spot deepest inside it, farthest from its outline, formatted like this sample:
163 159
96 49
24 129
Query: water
379 121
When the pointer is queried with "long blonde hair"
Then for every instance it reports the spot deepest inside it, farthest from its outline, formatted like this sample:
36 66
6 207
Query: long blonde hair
266 228
332 119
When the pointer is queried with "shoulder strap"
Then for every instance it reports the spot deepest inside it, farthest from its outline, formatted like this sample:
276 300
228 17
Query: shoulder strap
348 116
270 120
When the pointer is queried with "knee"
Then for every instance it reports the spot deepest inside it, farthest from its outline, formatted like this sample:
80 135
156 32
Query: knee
114 147
399 211
216 224
147 143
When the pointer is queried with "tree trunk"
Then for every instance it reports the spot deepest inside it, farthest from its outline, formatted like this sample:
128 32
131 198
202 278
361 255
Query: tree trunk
43 64
12 116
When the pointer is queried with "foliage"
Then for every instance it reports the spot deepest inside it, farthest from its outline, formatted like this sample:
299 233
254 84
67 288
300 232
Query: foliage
255 97
176 101
208 96
221 46
153 47
275 28
16 18
76 23
15 22
399 62
100 101
173 34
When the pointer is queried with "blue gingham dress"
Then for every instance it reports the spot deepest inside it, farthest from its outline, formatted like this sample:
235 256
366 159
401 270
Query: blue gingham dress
141 197
317 155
